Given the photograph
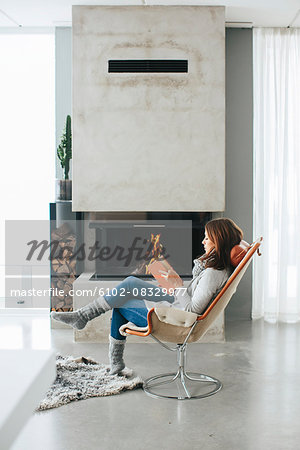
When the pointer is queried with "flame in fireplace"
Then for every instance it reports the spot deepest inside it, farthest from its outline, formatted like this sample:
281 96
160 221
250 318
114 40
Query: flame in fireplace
156 250
153 253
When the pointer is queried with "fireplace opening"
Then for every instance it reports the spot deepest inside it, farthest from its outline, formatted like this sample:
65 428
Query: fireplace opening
124 245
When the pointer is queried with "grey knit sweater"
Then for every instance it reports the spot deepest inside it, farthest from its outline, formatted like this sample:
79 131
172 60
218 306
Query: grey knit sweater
204 286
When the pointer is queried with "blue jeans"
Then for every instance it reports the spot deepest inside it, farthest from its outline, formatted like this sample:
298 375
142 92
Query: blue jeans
127 302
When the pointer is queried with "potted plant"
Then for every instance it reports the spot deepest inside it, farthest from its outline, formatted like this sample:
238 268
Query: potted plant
64 154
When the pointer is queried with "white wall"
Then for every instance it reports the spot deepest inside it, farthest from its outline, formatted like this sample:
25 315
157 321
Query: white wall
26 142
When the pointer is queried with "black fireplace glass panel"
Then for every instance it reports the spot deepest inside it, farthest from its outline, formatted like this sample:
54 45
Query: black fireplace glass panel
185 229
126 247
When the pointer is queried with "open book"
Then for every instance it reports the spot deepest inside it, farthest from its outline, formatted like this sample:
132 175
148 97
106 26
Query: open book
159 269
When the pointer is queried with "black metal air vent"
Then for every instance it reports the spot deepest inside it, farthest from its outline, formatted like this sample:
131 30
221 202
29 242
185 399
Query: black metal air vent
148 65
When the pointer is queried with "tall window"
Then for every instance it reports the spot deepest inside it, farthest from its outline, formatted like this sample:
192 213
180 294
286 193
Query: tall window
277 173
27 138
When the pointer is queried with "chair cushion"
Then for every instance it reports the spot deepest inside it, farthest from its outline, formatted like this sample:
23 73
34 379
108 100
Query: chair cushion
131 326
238 252
174 316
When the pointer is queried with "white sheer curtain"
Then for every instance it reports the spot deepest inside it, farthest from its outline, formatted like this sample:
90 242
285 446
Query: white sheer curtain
277 173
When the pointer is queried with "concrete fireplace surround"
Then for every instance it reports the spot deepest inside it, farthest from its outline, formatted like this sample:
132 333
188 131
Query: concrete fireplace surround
148 141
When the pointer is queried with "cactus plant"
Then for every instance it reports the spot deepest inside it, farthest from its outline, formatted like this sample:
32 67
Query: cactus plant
64 150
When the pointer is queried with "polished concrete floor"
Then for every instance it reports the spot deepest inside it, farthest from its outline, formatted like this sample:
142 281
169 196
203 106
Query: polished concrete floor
257 409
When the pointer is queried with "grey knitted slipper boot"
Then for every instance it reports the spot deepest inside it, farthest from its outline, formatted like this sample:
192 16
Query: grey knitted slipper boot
70 318
78 319
116 350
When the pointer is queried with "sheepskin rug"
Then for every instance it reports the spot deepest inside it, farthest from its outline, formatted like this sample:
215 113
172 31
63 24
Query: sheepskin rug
82 378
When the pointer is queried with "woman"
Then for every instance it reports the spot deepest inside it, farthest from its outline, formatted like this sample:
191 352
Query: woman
131 299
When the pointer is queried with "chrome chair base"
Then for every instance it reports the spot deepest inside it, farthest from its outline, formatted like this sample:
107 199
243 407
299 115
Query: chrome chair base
181 378
179 381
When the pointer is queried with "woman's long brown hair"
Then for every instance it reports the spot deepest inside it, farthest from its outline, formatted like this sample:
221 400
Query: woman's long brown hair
225 234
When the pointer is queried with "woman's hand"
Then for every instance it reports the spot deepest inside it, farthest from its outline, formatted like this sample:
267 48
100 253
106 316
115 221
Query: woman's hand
174 279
